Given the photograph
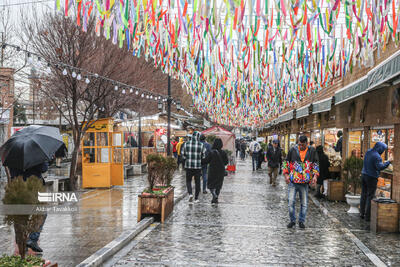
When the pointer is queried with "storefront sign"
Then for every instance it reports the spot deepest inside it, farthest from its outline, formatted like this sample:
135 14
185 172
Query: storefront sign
384 71
303 112
322 106
355 89
286 117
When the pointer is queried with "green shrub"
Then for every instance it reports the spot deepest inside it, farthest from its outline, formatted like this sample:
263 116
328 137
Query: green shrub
210 138
160 170
20 192
353 167
17 261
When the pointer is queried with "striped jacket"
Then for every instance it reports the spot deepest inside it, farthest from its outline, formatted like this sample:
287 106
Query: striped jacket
193 152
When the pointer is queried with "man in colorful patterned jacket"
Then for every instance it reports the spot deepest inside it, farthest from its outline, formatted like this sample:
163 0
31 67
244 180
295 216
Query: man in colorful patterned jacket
300 168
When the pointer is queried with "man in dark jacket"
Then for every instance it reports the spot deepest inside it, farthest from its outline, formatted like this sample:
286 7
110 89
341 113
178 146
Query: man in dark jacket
274 157
369 177
300 168
204 167
193 152
338 146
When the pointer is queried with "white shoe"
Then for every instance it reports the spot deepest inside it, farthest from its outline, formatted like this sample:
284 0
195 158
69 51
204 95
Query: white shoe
190 198
196 201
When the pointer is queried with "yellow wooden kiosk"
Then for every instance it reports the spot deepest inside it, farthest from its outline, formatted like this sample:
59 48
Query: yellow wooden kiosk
102 156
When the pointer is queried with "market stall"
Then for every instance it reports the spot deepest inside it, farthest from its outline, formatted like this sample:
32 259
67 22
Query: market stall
385 135
228 139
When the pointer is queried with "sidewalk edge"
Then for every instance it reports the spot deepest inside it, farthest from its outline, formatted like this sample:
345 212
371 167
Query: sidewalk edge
106 252
114 246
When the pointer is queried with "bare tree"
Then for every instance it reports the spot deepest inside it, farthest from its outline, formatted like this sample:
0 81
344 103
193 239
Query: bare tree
57 39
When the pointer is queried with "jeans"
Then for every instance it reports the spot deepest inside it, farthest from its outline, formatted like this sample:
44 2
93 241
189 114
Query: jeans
254 160
34 236
175 154
303 194
368 188
190 173
204 174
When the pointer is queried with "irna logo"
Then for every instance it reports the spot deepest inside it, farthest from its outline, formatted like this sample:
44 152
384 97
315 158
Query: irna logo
57 197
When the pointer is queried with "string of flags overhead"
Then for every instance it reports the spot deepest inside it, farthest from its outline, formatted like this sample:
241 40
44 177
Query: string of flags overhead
245 61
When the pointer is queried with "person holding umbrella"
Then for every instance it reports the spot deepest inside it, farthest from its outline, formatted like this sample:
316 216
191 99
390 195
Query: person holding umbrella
27 154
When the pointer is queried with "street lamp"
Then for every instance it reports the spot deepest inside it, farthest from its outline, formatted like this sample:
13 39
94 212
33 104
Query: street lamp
160 105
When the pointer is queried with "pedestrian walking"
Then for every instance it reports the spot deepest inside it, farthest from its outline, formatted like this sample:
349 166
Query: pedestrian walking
243 148
204 167
300 168
255 148
324 174
217 160
60 154
174 143
193 152
237 146
369 177
178 151
274 158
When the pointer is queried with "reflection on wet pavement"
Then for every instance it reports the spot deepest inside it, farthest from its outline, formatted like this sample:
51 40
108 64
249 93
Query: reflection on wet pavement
248 227
103 214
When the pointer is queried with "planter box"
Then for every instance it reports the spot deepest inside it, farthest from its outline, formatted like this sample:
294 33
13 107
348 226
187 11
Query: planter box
334 169
154 205
336 190
384 217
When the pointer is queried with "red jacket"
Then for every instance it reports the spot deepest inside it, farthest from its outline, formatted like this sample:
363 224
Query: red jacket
174 143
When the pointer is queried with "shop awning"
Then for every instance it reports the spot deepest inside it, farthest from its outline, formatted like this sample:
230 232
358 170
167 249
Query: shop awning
287 116
322 106
385 71
352 90
303 112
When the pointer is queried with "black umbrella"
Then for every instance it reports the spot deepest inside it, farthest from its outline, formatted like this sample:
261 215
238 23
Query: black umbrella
30 146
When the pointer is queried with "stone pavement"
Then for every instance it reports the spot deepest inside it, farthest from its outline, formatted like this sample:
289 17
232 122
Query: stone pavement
102 216
248 227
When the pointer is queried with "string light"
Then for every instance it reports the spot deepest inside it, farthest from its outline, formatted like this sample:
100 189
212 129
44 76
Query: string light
76 73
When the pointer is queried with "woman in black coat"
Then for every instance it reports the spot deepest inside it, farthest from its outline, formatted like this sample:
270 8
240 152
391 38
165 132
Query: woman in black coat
324 165
217 159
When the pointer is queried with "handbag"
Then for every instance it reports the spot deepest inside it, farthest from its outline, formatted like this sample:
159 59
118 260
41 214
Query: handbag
220 159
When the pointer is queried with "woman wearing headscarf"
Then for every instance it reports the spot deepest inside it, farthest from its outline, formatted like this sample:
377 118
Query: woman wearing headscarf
217 160
324 165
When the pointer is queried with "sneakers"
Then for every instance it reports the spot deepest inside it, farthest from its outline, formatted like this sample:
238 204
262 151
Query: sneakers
34 246
196 201
291 225
190 198
301 225
205 192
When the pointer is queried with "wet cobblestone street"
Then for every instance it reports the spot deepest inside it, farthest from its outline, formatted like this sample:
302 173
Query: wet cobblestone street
248 227
103 215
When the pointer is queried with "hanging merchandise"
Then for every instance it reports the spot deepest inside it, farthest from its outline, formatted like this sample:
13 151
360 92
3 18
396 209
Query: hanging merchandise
244 62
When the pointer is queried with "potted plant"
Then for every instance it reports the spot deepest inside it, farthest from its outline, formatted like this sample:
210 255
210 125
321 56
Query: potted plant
158 198
353 167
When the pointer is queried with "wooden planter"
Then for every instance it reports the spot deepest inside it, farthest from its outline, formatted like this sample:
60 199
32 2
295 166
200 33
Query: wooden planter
384 217
334 169
336 190
154 205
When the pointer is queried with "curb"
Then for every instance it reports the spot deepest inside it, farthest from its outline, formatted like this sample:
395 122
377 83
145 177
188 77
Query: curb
367 252
106 252
114 246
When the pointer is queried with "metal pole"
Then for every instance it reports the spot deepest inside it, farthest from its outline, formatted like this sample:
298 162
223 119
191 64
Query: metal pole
140 140
169 117
2 48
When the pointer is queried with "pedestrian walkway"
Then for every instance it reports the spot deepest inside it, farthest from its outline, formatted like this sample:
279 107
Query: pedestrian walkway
248 227
103 215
